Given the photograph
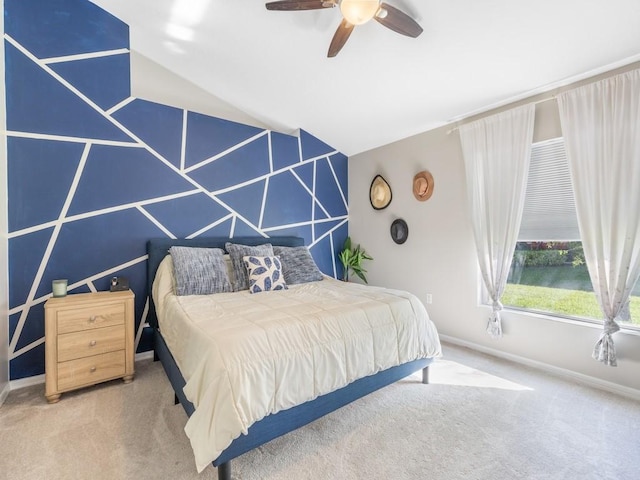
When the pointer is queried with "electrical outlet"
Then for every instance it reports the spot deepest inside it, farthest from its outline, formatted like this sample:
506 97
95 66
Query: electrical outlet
428 298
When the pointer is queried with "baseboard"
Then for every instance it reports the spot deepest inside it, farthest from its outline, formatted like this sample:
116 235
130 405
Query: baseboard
26 382
39 379
144 355
579 377
4 393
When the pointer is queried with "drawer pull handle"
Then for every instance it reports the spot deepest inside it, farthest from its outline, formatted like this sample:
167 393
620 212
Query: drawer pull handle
92 343
92 369
92 319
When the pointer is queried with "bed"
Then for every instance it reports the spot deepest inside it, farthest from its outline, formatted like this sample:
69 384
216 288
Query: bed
273 416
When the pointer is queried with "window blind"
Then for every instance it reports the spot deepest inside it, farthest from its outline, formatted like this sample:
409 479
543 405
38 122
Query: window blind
549 209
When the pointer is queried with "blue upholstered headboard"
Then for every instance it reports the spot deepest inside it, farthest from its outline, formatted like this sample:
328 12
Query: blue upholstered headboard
157 249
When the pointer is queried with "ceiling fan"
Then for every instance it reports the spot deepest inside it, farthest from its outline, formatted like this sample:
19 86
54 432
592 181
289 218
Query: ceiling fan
355 12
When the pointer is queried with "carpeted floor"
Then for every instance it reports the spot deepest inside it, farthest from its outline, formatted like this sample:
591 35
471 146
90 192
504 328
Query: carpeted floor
480 418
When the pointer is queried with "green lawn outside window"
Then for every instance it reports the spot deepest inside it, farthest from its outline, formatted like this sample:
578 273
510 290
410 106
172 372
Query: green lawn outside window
574 303
551 277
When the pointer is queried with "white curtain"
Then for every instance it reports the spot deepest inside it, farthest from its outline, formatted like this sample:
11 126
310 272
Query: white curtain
601 127
497 151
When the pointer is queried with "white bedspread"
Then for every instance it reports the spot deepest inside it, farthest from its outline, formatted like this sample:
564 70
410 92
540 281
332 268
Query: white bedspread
245 356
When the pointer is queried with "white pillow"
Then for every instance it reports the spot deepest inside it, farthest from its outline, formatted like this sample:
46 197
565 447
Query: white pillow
163 284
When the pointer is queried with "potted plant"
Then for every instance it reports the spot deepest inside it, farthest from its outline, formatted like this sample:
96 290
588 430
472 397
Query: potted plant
352 258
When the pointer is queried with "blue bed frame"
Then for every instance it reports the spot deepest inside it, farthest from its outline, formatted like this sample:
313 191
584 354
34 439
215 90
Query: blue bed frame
284 421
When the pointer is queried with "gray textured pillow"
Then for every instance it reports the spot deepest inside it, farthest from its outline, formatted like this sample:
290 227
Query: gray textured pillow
237 251
298 265
199 271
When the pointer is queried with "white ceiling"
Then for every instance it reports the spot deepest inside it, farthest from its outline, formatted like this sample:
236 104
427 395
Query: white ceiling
382 87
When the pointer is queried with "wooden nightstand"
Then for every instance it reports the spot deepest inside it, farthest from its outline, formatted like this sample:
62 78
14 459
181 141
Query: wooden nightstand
88 340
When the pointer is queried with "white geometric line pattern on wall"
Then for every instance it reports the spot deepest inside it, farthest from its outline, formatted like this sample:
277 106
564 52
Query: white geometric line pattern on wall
74 286
84 56
120 105
81 216
99 172
223 153
47 253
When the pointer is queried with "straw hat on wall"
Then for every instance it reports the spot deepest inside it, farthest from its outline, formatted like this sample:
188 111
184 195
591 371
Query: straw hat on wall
423 185
379 193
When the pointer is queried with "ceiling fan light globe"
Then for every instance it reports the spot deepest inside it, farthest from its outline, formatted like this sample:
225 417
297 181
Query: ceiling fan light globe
357 12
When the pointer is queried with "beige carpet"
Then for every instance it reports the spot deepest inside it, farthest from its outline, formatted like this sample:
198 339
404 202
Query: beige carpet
481 418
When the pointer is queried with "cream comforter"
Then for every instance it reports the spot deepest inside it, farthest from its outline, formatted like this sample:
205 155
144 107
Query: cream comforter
245 356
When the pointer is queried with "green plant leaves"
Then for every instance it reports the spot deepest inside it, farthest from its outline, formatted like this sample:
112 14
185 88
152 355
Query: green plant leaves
352 258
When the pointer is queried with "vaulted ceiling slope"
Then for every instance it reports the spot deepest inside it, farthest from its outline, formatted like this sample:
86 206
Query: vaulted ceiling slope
382 87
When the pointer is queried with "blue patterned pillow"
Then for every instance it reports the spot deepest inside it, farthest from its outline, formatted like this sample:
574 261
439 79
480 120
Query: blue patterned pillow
199 271
265 274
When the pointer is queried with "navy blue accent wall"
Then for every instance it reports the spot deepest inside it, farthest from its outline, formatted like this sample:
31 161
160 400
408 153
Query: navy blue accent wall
93 172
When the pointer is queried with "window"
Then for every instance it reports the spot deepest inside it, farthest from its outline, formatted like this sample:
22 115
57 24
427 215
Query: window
548 273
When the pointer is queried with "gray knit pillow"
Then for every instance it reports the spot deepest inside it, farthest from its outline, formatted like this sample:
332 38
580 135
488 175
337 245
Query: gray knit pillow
298 265
237 251
199 271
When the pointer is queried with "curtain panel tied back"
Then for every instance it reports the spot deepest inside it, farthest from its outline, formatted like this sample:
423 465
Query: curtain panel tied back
601 127
497 151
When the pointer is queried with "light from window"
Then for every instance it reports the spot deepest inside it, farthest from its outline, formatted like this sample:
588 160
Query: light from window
548 272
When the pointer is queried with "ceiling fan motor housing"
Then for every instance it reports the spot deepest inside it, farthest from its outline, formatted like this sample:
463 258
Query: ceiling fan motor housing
355 12
358 12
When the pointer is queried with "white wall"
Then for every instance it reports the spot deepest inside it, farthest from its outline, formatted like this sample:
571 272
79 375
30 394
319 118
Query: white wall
4 270
439 257
151 81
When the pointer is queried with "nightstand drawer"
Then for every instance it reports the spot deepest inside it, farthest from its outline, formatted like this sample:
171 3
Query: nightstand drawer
90 370
90 342
77 319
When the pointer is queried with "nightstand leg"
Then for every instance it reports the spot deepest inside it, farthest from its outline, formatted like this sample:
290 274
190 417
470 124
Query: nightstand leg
53 398
127 378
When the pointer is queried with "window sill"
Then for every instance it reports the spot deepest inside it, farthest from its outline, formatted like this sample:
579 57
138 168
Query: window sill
582 322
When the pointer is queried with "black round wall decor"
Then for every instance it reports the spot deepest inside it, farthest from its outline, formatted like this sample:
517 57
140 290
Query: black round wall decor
399 231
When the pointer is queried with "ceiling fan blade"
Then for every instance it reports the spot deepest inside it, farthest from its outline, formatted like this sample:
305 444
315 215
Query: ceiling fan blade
340 38
398 21
300 4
